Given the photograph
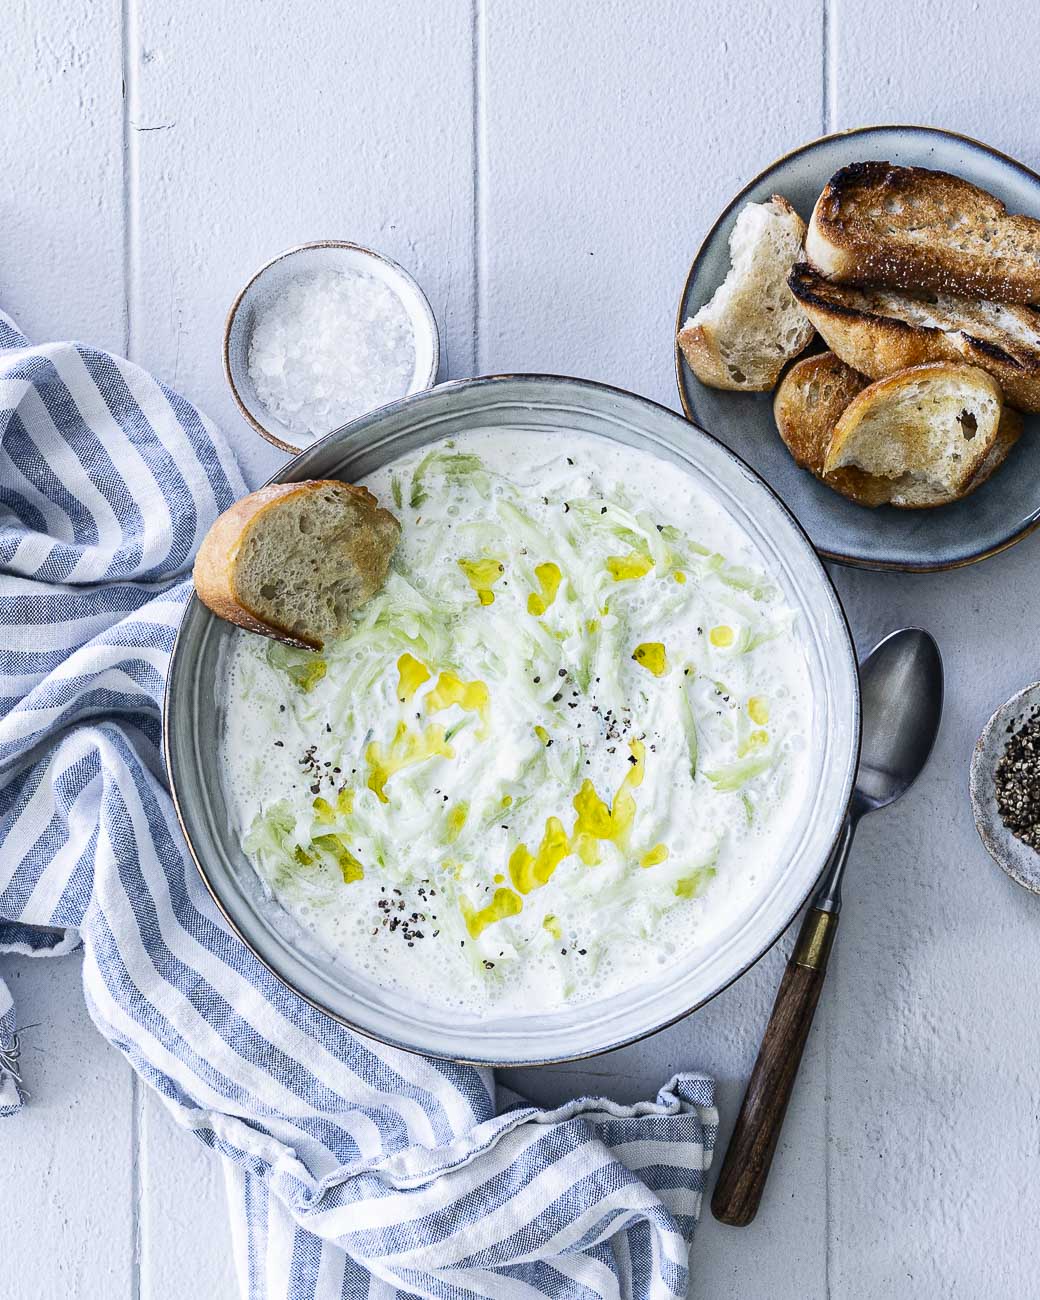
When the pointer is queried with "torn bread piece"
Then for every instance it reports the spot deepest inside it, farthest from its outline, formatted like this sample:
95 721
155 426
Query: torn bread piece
293 560
752 326
930 427
811 400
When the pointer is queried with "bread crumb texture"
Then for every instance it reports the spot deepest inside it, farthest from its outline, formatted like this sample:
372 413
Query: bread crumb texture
308 560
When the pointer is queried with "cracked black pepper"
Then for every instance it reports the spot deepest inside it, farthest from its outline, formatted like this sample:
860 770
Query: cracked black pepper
1017 781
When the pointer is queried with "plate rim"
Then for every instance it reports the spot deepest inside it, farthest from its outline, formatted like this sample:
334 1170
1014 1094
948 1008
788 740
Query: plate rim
681 382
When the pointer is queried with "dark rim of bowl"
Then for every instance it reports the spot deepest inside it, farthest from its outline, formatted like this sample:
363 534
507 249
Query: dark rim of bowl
225 351
482 381
838 557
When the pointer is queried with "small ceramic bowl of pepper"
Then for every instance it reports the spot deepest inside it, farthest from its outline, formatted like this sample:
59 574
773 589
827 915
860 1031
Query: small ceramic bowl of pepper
1005 787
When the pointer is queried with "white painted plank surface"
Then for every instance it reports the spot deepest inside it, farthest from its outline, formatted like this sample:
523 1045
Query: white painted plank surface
61 221
67 1189
933 1032
606 141
182 1200
255 128
67 1195
964 66
614 133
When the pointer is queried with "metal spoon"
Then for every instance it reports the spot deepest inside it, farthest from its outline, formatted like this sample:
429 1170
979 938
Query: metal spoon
901 683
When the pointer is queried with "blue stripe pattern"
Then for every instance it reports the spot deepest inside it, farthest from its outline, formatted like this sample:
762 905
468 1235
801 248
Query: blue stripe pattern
353 1170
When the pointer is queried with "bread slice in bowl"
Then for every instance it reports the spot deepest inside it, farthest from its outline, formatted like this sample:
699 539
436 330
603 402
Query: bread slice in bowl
292 560
929 426
879 331
751 328
809 403
921 230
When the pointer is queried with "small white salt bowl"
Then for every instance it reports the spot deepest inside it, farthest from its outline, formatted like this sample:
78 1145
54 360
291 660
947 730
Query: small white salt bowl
273 278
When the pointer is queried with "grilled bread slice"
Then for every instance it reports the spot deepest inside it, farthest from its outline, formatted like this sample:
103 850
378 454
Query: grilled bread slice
810 401
911 228
752 326
878 331
1008 433
808 404
911 492
930 427
294 559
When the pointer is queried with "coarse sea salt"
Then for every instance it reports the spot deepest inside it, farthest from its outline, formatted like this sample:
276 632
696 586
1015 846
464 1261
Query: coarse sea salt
331 346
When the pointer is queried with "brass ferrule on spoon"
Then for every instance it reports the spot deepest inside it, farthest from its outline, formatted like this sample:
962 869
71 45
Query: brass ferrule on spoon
821 920
816 939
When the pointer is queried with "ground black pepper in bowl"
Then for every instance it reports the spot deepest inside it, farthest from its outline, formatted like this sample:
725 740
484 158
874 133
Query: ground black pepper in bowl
1017 781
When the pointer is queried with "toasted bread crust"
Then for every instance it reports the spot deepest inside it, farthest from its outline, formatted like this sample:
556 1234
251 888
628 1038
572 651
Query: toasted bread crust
705 360
787 208
215 568
806 427
877 343
884 390
1008 433
808 402
906 228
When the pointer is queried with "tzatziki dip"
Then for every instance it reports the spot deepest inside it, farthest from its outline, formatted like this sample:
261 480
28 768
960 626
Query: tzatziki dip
559 751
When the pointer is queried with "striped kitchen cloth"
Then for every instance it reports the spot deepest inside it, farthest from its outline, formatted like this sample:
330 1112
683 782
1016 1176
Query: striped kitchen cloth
353 1169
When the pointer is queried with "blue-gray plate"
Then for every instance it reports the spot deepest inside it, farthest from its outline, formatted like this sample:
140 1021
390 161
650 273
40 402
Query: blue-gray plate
1001 512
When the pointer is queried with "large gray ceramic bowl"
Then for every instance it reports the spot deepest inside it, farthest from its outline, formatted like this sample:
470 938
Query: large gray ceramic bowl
195 717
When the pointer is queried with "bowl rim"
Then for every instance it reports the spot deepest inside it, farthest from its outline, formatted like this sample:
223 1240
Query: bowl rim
225 350
848 641
837 557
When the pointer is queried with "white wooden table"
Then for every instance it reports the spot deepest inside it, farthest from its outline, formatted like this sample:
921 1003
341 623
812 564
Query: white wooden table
546 171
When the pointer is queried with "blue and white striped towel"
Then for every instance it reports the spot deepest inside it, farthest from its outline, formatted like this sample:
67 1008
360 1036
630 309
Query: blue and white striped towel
353 1169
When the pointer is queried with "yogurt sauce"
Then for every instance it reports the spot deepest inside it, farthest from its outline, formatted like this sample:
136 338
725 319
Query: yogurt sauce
560 750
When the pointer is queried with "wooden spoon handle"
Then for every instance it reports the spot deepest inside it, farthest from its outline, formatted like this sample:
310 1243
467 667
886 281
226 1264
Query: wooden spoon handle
745 1169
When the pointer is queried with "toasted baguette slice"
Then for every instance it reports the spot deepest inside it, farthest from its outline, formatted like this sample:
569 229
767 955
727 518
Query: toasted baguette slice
752 326
911 228
912 493
1008 433
292 560
810 401
932 425
877 332
808 404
